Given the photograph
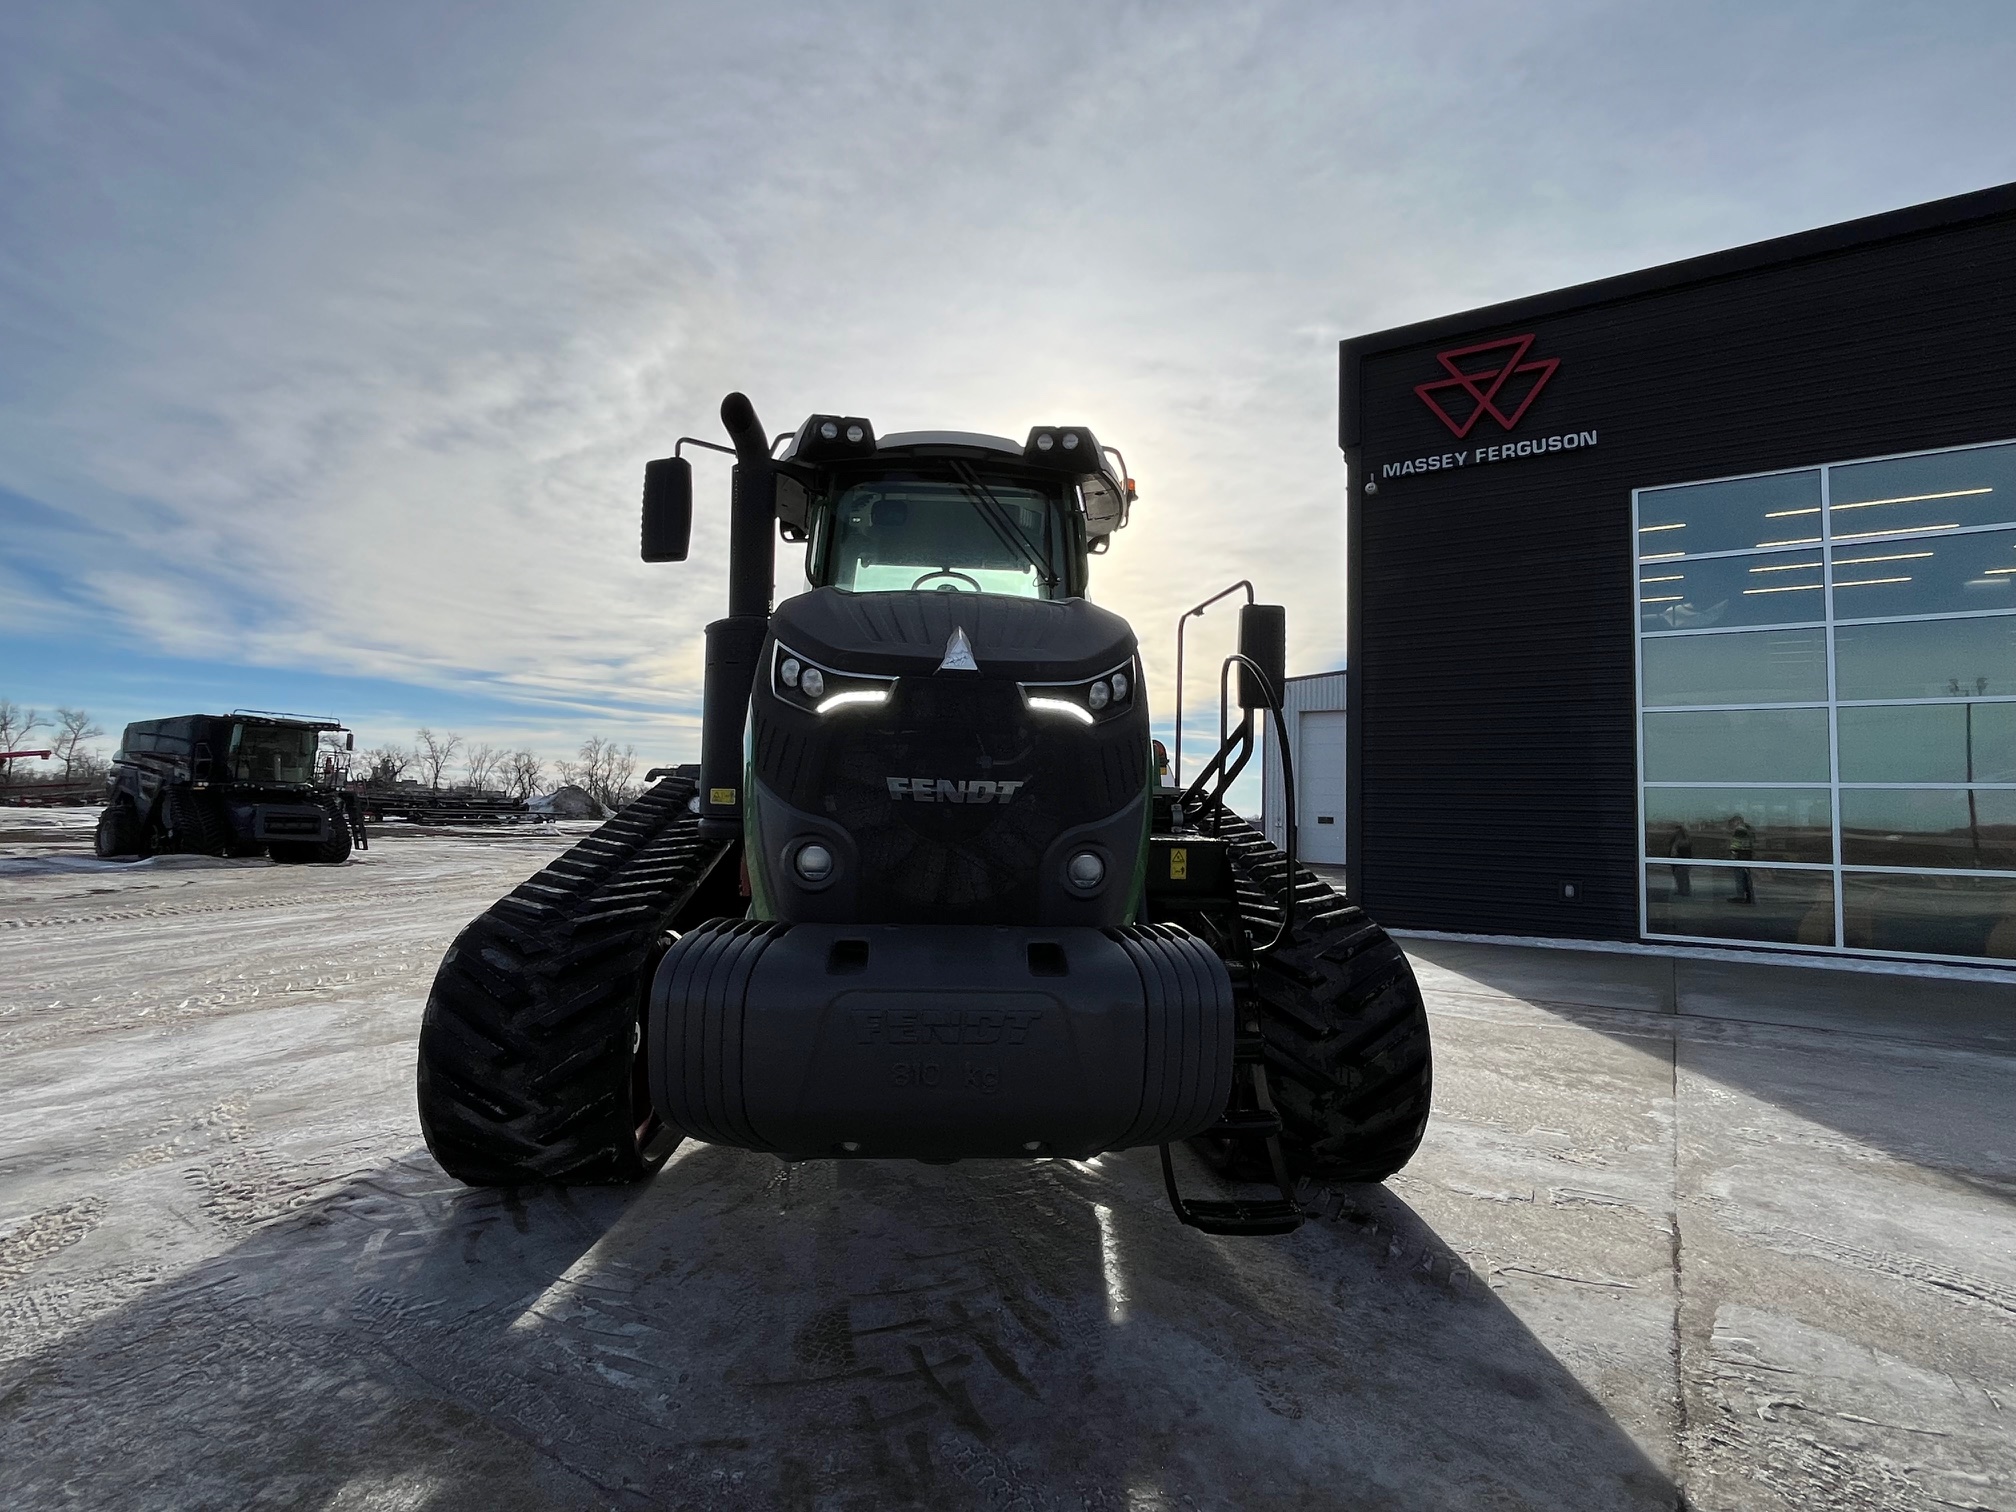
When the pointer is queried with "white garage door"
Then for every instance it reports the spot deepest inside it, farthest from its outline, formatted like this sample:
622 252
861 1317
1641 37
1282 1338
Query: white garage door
1319 787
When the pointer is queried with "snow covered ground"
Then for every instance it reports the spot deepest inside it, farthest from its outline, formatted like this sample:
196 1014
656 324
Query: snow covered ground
1746 1231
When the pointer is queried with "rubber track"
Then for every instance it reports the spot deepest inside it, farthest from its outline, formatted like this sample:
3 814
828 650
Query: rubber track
196 828
530 1033
1344 1029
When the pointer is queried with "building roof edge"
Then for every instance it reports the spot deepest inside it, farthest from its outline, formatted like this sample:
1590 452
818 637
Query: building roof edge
1887 225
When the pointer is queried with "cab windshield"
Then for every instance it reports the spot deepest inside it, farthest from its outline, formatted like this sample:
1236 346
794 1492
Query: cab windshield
959 534
265 753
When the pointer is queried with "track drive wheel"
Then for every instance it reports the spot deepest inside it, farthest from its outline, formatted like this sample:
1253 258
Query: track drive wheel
531 1048
195 826
1344 1033
119 836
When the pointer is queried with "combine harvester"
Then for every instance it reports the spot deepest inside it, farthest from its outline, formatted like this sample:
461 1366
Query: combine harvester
246 783
923 899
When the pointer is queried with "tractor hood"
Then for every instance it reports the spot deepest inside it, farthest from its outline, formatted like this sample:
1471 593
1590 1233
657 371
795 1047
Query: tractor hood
905 634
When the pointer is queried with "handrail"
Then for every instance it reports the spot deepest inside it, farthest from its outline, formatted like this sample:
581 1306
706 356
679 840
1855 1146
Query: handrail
1176 768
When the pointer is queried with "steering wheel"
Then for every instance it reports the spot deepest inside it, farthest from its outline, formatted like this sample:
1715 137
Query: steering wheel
947 572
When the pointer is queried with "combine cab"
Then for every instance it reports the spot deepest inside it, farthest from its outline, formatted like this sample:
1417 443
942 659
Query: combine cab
924 898
240 784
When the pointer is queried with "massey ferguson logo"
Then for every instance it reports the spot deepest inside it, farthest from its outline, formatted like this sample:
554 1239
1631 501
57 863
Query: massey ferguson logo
944 1026
945 790
1495 376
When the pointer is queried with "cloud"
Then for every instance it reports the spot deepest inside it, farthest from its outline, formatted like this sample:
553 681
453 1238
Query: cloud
336 340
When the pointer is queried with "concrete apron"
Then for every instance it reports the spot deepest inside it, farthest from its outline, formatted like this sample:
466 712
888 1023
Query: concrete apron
1673 1233
1801 1176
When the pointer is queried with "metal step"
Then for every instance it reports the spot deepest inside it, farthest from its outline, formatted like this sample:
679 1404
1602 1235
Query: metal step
1245 1123
1250 1218
1266 1216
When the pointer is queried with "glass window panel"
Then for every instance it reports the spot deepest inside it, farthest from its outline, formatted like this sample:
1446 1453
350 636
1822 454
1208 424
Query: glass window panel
1777 588
1731 516
1904 743
1924 575
1931 659
1970 742
1957 916
1991 742
1737 745
1763 666
1969 828
1740 824
1976 486
1741 903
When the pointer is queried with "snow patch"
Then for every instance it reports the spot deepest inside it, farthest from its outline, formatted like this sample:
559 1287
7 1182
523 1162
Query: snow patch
49 866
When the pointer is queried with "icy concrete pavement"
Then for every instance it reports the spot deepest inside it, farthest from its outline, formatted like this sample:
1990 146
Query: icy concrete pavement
1642 1250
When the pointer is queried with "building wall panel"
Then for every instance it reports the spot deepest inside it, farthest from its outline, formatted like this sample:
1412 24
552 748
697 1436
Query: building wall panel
1491 606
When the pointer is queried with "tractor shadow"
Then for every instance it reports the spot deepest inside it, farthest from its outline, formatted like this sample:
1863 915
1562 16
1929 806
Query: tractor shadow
742 1333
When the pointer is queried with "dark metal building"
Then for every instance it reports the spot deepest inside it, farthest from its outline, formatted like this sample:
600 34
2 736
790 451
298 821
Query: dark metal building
1683 604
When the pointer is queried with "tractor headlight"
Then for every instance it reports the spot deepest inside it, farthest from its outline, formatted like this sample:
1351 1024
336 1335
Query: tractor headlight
821 690
1088 702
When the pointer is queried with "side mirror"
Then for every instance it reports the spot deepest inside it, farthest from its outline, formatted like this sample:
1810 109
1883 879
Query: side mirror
349 740
668 509
1263 637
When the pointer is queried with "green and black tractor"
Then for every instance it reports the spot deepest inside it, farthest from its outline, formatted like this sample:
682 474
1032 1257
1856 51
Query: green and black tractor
241 784
924 896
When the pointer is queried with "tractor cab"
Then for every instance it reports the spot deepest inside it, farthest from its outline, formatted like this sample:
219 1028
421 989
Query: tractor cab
949 511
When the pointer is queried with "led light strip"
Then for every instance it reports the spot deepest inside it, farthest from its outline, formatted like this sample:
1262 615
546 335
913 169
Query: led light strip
850 697
1061 706
1957 493
1870 535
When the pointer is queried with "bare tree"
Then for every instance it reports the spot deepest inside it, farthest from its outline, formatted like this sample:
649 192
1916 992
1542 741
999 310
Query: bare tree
604 773
521 772
16 725
387 763
73 728
619 776
433 753
482 762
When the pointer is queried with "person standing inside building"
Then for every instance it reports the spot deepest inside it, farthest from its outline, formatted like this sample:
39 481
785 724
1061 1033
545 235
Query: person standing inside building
1742 847
1681 847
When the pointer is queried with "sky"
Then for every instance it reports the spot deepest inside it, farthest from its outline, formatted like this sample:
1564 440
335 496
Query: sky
333 339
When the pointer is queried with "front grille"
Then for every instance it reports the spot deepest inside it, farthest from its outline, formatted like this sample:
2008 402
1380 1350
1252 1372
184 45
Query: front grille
951 862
